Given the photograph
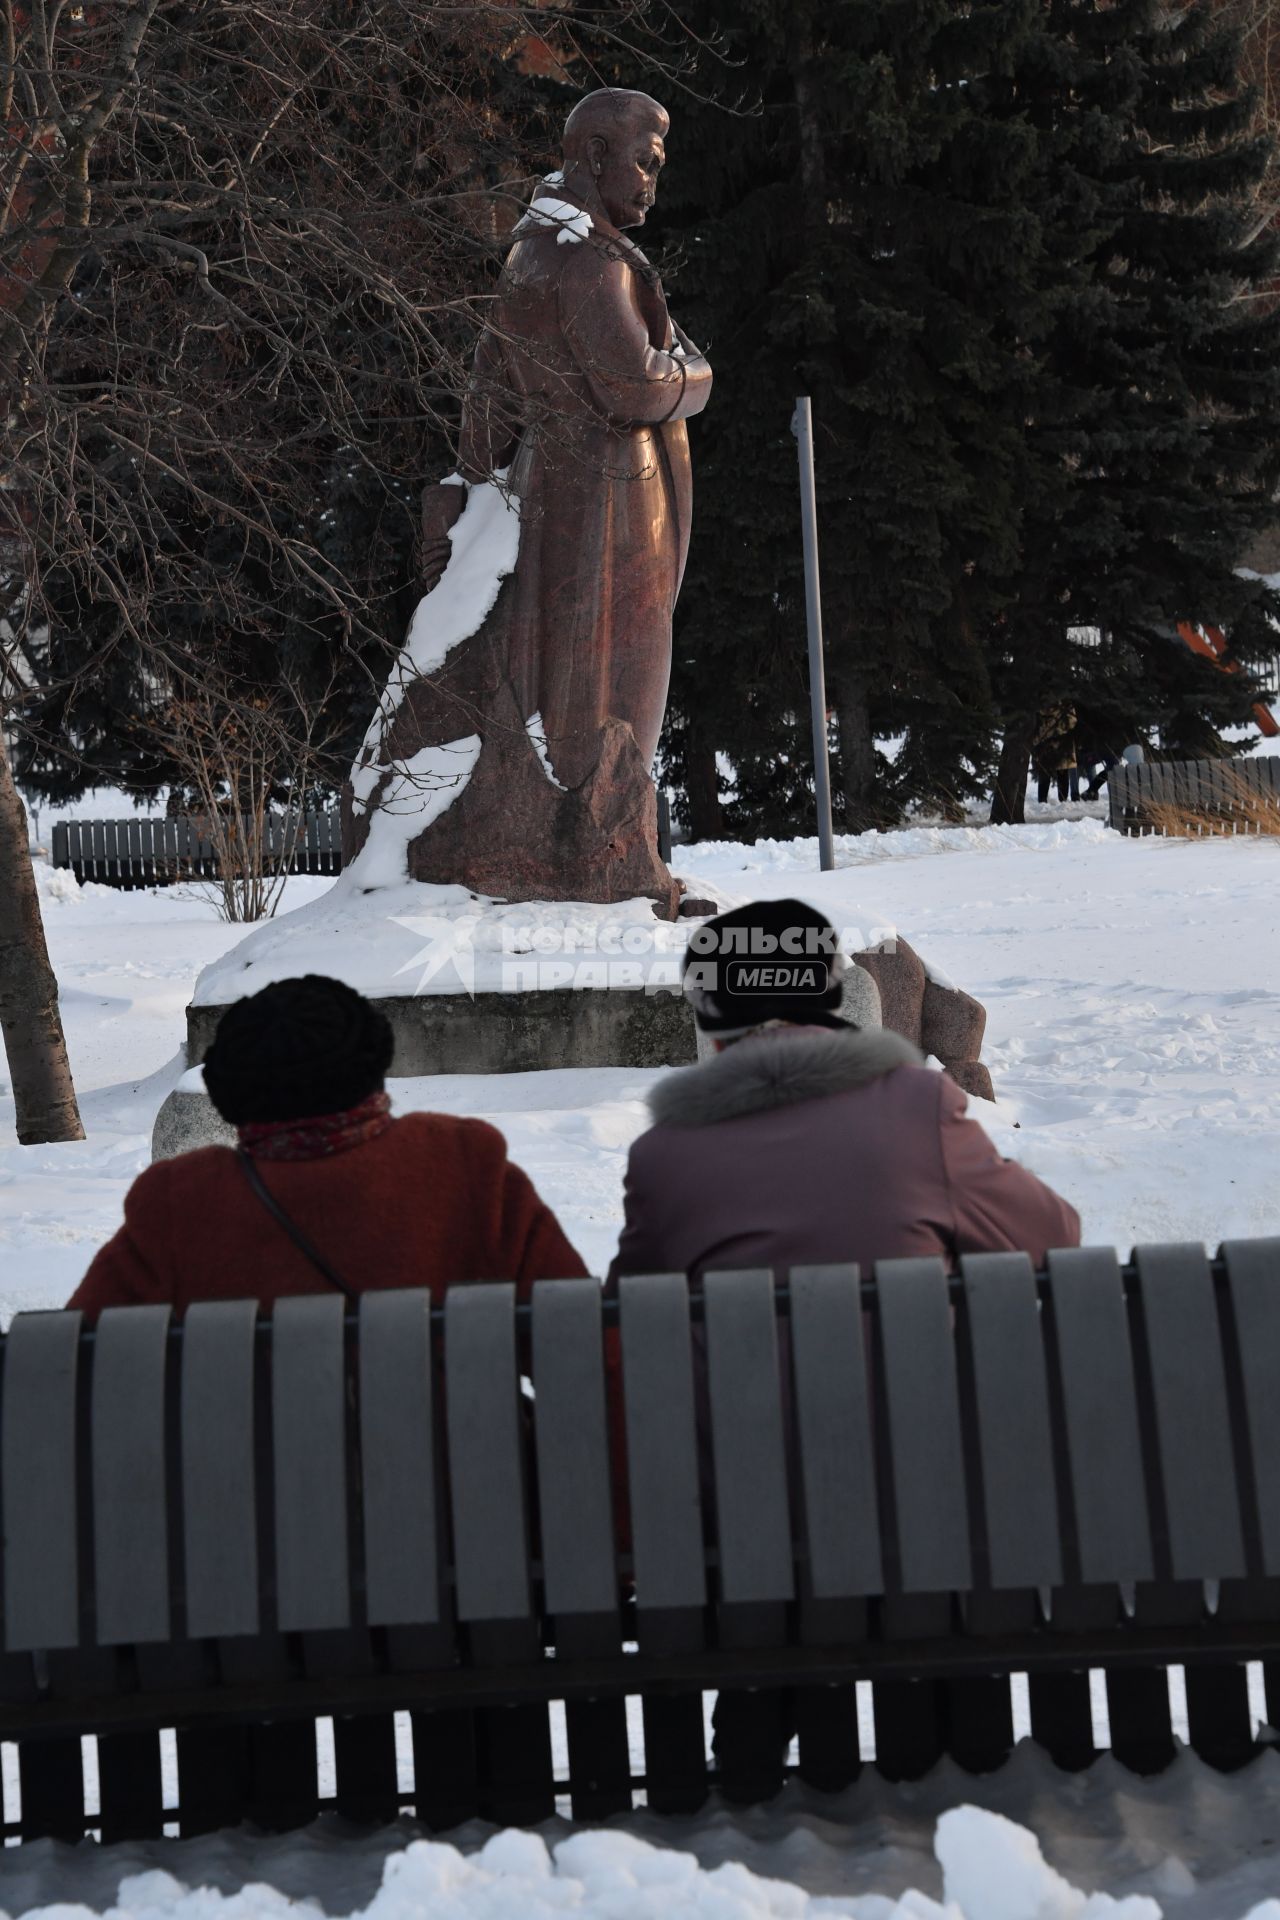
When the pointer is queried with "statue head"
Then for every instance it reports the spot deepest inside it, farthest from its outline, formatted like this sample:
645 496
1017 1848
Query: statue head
613 151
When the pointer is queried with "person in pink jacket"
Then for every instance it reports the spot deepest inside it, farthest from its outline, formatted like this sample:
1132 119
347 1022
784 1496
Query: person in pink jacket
805 1140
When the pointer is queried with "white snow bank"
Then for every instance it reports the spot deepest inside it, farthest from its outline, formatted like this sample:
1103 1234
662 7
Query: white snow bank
907 843
992 1869
390 938
58 886
485 541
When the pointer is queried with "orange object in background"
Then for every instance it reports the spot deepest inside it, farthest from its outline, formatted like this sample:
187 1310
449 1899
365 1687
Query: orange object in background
1211 644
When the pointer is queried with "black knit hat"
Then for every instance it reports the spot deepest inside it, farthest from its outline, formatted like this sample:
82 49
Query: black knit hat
773 960
297 1048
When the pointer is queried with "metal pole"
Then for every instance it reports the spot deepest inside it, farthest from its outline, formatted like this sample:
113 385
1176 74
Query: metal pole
802 427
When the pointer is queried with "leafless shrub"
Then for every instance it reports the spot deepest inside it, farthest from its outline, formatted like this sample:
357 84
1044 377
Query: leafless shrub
252 759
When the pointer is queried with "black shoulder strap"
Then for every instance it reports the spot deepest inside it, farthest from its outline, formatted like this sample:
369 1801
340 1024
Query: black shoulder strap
291 1226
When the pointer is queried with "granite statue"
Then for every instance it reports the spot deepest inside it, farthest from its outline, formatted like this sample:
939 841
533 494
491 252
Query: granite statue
529 699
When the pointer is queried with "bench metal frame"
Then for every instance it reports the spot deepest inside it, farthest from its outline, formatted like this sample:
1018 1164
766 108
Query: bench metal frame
232 1527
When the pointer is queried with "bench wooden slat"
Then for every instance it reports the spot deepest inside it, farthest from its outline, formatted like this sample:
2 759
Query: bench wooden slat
483 1406
575 1504
308 1413
130 1526
1189 1385
666 1523
662 1442
833 1424
397 1449
1253 1276
486 1471
838 1517
925 1450
1091 1330
1012 1416
38 1428
753 1521
219 1490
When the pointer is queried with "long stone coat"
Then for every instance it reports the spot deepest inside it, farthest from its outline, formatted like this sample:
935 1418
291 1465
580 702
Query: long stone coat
582 389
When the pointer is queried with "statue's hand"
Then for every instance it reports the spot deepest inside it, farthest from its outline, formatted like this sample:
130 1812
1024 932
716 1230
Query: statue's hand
441 507
682 344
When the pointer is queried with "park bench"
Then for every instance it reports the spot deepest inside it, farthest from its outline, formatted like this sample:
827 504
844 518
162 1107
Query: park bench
1233 794
217 1534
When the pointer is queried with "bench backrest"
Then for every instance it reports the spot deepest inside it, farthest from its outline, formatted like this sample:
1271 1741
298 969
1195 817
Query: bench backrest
830 1480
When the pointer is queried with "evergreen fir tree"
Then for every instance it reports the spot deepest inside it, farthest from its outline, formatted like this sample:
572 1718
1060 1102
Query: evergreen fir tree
1014 255
1155 438
857 238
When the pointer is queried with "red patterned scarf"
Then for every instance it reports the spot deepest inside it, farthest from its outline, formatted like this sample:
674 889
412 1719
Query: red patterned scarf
319 1135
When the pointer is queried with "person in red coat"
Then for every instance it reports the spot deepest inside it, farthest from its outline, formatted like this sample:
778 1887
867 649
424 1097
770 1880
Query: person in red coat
422 1201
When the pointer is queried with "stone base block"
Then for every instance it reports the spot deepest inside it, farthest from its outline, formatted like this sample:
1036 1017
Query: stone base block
518 1032
188 1119
936 1017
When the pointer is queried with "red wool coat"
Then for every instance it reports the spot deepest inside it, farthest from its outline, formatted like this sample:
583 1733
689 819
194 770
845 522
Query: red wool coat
430 1201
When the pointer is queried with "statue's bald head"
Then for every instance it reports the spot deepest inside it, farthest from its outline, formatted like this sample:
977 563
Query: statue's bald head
611 114
613 152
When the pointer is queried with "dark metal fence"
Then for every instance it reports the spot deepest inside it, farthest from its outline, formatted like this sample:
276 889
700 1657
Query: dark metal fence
147 852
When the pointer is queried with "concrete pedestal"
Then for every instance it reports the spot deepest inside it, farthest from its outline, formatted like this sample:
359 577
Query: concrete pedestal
518 1032
453 1033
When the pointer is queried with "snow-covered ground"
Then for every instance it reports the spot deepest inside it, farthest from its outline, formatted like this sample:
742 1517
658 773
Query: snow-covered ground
1132 988
1133 993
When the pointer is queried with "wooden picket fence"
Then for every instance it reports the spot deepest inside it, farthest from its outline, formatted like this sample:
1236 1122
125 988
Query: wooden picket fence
1227 795
147 852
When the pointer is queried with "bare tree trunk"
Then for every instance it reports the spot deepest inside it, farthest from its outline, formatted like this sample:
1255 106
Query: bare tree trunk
702 790
1009 801
857 749
29 1018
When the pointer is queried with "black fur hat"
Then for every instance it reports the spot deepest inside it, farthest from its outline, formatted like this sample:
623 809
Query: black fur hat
773 960
297 1048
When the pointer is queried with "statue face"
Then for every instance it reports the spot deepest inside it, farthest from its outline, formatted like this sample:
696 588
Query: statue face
628 178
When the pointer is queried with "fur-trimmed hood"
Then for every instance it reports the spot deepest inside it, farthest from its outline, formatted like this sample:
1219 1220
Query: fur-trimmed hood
779 1068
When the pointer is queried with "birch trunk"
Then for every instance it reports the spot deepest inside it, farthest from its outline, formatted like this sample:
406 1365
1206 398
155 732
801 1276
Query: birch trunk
30 1021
